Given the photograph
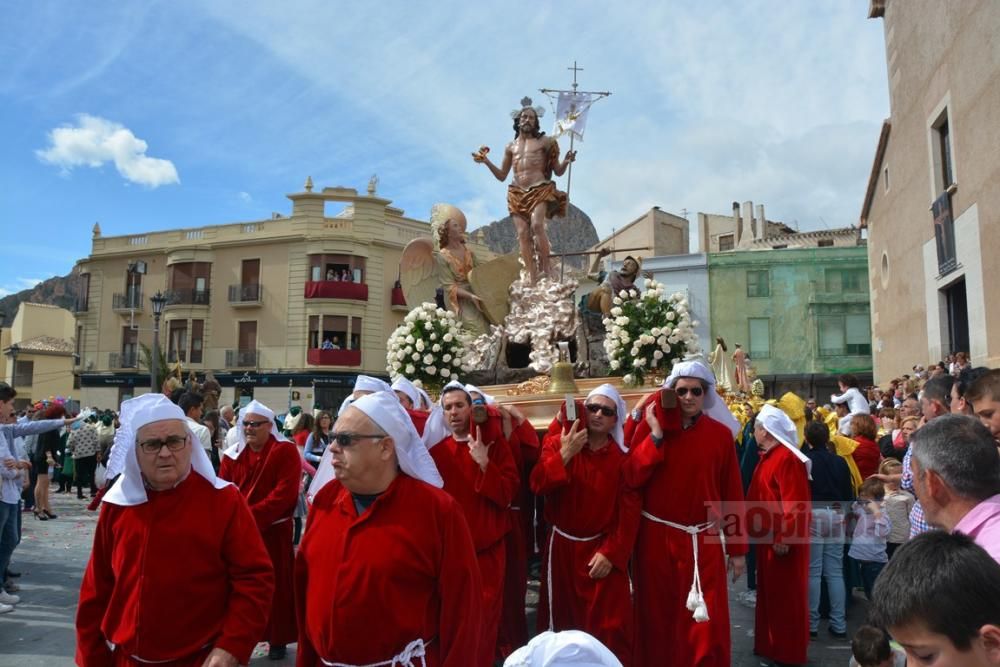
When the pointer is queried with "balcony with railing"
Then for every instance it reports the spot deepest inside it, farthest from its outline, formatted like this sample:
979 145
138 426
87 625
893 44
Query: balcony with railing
123 360
242 358
127 302
188 297
245 295
321 357
336 289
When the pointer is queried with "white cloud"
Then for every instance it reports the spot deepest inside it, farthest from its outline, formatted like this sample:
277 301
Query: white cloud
245 197
94 141
710 105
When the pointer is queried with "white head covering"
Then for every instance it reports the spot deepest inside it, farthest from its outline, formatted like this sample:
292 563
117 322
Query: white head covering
363 383
385 410
486 397
130 489
428 403
408 388
781 426
618 432
569 647
714 407
255 408
436 427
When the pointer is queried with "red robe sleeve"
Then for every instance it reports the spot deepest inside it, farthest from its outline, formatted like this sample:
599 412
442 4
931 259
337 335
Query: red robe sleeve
460 589
501 479
550 473
280 501
251 580
95 594
620 540
644 455
305 652
794 496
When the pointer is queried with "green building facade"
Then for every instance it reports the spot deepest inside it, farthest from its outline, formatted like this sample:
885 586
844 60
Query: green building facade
801 314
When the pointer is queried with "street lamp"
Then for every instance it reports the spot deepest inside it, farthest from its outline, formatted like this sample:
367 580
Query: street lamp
13 351
159 300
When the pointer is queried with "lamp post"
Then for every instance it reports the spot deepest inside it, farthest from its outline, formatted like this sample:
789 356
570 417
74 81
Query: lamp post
13 350
159 301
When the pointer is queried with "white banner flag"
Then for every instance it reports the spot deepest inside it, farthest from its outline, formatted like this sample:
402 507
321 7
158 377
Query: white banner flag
571 114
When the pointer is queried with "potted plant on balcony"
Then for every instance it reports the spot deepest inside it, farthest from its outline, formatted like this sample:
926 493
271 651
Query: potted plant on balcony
428 348
648 333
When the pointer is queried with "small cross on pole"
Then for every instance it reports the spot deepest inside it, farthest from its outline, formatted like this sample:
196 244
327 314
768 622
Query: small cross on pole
575 69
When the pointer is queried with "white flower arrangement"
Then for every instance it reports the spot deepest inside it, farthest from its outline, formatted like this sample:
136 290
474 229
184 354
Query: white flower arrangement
648 333
431 344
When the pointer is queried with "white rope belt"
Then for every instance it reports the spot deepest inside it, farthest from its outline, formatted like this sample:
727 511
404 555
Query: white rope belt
414 651
696 598
275 523
114 647
548 567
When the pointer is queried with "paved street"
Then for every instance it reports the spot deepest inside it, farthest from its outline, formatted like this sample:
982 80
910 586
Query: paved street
53 554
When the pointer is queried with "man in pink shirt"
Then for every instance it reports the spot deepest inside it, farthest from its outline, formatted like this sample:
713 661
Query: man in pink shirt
956 474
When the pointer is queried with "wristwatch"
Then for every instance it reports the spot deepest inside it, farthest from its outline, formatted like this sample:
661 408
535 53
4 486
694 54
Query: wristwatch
658 442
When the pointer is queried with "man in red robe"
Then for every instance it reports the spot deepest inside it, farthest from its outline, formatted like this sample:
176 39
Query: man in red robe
684 464
479 472
780 495
523 442
593 519
387 570
178 574
267 469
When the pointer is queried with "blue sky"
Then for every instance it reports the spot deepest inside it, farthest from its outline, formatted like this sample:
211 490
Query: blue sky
158 115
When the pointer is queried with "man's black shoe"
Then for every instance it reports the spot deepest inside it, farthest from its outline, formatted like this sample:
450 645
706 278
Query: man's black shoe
837 635
277 653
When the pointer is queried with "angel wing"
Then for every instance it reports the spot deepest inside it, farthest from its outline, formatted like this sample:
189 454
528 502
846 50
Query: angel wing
418 272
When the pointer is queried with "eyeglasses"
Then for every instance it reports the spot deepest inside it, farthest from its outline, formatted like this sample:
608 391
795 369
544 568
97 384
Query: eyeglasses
594 408
695 391
173 443
346 439
256 424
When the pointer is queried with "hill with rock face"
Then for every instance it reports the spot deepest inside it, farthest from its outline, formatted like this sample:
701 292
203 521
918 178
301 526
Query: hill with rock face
58 291
572 233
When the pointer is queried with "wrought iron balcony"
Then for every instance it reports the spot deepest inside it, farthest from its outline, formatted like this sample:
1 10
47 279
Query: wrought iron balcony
123 360
127 302
242 358
245 295
188 297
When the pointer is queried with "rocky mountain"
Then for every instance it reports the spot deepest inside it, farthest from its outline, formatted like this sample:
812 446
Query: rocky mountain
58 291
572 233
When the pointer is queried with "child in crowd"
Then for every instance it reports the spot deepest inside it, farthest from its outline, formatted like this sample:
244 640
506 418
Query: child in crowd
871 648
870 532
939 598
897 505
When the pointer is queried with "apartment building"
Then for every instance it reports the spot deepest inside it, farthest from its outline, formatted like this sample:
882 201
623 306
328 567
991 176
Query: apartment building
286 310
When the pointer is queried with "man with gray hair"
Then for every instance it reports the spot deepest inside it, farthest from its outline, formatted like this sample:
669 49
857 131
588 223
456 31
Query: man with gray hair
956 473
178 573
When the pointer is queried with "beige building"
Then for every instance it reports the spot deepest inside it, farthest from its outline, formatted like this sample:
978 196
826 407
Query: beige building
290 308
933 196
38 352
654 233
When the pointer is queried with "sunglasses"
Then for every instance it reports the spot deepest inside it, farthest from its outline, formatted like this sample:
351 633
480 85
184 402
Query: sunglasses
695 391
346 439
594 408
256 424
